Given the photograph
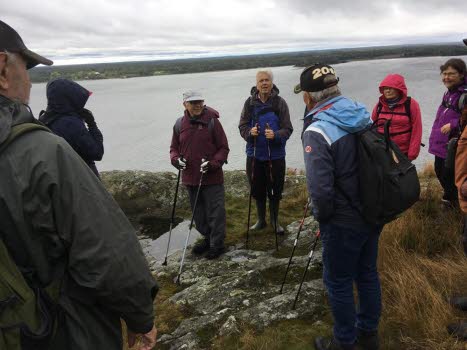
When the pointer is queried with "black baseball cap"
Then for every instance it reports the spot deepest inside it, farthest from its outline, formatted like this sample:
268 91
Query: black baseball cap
316 78
11 41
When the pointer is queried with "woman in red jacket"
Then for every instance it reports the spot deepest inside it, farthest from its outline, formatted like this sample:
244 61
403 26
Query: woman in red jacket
403 111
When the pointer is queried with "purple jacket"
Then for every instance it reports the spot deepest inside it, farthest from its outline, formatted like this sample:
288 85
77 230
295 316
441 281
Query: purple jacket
448 112
195 141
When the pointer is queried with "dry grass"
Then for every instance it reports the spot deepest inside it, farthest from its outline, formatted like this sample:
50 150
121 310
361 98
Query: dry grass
421 265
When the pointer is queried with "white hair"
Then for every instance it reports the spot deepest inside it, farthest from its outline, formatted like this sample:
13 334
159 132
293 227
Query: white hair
332 91
11 57
266 71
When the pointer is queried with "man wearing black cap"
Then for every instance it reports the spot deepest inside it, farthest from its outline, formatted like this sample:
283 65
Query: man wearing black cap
71 250
350 245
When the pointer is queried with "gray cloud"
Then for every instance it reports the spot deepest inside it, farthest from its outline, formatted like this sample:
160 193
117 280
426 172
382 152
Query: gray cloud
98 28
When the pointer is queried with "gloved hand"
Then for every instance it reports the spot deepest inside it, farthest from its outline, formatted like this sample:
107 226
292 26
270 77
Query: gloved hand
180 163
204 166
87 116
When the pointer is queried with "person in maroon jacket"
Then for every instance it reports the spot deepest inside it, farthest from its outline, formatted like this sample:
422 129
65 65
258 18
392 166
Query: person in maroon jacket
199 148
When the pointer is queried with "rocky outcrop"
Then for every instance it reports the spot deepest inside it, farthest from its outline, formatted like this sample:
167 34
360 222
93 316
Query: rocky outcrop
148 192
242 287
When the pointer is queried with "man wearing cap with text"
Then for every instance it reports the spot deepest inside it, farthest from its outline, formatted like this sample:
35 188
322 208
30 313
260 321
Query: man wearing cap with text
78 255
199 148
350 245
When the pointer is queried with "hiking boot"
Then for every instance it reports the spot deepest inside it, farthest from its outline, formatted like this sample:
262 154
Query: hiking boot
367 340
330 344
274 204
458 330
200 247
214 253
459 303
261 211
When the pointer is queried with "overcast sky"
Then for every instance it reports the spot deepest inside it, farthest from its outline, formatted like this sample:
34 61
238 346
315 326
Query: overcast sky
81 31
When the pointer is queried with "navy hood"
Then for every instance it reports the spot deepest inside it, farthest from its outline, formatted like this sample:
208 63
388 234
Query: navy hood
65 96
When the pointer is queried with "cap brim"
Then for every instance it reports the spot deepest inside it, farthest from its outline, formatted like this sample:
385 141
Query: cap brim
194 98
33 59
297 89
465 41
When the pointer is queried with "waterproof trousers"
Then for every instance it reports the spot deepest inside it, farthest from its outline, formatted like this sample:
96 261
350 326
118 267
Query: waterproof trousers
349 255
210 212
446 179
261 184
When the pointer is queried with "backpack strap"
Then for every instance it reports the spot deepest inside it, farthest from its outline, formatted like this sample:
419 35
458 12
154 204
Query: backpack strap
408 113
20 129
462 101
407 105
378 110
178 126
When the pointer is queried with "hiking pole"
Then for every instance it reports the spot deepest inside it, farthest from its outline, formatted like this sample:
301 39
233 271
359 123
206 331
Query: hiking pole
295 245
191 225
173 215
251 189
306 268
271 181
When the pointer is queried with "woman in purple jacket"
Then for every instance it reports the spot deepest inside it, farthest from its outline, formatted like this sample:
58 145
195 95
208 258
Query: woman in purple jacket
446 124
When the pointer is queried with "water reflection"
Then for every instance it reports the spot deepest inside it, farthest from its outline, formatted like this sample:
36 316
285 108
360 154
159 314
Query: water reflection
157 248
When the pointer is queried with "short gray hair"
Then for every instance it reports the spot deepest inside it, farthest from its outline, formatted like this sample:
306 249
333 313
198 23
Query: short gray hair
332 91
12 57
266 71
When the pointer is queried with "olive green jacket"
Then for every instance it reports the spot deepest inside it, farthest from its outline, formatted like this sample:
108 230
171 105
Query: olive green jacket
59 222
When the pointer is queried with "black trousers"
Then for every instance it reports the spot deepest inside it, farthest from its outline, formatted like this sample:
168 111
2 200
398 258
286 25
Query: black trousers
446 179
210 212
261 182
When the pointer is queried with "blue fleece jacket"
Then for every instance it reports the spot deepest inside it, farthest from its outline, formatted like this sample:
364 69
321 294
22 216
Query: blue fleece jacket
330 152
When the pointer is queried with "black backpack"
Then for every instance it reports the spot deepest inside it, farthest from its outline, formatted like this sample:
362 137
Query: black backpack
389 182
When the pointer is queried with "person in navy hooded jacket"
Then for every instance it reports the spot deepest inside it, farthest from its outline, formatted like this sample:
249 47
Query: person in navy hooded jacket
265 125
350 245
67 117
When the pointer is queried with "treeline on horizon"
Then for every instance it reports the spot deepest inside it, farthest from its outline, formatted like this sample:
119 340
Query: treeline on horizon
197 65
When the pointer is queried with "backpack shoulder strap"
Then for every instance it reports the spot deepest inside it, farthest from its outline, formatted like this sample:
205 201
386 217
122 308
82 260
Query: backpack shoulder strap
378 110
462 100
20 129
211 126
407 105
178 126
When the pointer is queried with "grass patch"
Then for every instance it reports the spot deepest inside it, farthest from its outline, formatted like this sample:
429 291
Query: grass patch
292 334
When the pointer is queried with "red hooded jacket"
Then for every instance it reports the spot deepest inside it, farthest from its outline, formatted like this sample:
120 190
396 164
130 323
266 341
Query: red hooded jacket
405 132
196 141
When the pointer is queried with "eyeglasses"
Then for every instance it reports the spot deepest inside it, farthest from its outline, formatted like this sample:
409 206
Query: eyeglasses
197 102
450 74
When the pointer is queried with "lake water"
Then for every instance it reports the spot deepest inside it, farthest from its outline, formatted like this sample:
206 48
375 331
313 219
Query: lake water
136 115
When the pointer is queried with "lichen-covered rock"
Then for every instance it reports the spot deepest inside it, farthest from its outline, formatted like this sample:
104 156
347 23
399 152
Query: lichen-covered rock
229 327
241 286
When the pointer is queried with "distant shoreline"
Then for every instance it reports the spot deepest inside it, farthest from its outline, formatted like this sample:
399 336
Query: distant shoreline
123 70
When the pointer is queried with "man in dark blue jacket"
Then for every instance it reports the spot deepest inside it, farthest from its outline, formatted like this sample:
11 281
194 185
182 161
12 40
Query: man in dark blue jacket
66 117
350 245
265 125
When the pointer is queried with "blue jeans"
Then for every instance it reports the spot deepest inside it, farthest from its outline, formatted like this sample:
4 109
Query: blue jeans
350 254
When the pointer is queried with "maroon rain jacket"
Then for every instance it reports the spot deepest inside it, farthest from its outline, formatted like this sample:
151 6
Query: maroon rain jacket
195 141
